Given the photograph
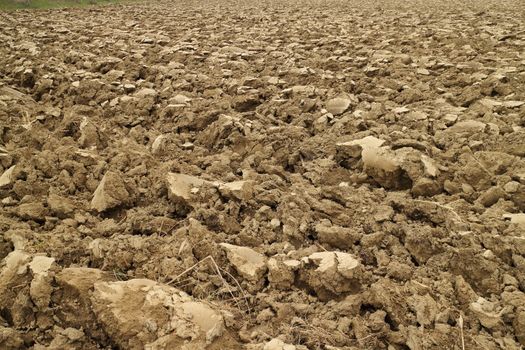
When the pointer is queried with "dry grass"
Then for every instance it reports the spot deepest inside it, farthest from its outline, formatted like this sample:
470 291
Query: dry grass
220 272
460 324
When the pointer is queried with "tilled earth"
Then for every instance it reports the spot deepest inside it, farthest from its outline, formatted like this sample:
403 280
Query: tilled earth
271 175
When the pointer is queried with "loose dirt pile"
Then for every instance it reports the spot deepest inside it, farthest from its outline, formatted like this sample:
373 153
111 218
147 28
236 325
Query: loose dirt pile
263 175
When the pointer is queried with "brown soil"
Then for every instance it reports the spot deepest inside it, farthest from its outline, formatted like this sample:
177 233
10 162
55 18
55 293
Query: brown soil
270 175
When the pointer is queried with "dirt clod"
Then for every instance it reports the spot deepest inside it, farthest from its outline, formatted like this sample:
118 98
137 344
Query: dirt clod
268 175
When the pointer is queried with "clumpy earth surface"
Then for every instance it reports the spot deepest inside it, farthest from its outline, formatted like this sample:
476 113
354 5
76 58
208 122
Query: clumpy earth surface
263 175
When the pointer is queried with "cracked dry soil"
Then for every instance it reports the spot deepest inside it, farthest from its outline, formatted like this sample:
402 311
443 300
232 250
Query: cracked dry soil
263 175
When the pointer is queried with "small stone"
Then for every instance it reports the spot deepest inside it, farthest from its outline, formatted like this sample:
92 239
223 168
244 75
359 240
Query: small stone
180 186
451 187
511 187
89 134
32 211
383 166
129 88
188 146
491 196
513 104
147 40
401 110
7 177
9 201
355 148
426 187
338 105
327 261
275 223
467 127
430 166
466 188
110 193
335 273
146 92
248 263
384 213
242 190
159 144
179 100
450 119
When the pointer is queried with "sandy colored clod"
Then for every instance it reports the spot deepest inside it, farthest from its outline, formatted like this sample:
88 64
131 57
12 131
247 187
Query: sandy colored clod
143 312
515 218
250 264
338 105
180 185
110 193
7 177
363 166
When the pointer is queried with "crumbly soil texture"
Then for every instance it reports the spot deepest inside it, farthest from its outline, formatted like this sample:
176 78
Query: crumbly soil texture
263 175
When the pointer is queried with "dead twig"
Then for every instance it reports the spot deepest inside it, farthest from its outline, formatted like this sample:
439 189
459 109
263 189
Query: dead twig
460 324
511 35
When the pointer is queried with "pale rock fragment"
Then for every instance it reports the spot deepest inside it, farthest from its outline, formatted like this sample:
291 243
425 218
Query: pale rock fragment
349 153
518 219
450 119
129 88
33 211
338 105
513 104
401 110
486 313
242 189
179 100
511 187
180 186
384 166
144 314
248 263
146 92
41 289
468 127
355 148
159 144
334 273
188 146
7 176
278 344
426 187
110 193
384 213
430 166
